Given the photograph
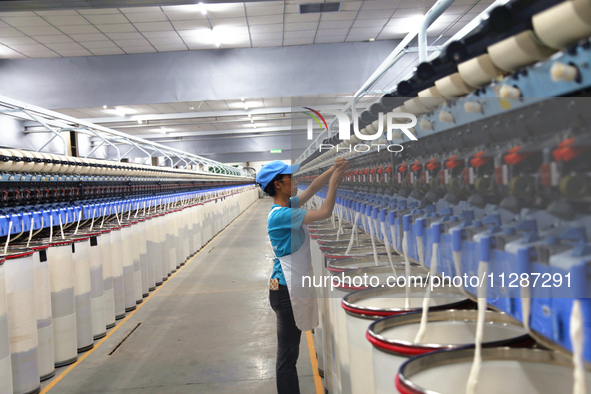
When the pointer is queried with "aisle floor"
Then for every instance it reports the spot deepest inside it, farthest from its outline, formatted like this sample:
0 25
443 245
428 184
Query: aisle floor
207 329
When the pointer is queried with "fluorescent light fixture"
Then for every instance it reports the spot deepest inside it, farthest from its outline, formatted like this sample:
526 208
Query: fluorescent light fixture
404 25
119 111
372 39
415 19
219 35
4 50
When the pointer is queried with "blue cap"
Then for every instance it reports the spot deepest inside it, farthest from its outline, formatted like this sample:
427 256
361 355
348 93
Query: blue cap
272 169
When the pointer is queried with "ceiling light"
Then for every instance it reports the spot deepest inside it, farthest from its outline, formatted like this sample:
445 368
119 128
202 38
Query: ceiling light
165 130
249 115
242 99
202 8
251 120
139 121
404 25
119 111
5 50
191 108
372 39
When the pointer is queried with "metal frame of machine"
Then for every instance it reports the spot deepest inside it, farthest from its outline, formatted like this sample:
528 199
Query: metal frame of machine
501 171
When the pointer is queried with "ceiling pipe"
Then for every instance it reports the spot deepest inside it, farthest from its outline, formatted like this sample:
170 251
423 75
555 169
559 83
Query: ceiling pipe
430 17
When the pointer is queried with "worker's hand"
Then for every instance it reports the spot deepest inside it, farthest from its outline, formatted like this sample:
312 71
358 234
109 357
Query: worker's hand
338 162
341 165
340 168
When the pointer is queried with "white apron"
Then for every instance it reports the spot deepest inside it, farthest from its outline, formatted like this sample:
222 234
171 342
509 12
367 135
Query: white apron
303 298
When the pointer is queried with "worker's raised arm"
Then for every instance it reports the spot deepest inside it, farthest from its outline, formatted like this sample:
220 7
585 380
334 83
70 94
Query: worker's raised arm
318 183
325 210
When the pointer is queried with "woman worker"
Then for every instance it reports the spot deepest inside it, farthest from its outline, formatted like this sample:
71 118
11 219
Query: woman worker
294 304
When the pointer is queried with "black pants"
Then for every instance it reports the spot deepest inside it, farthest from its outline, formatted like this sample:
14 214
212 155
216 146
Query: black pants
288 342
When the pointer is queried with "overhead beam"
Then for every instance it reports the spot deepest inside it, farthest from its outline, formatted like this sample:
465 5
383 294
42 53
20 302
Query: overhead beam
208 114
258 130
257 156
165 139
217 74
219 146
262 132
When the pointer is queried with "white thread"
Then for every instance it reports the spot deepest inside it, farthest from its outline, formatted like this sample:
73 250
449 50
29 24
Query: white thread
425 313
38 231
420 251
394 237
78 225
50 227
477 363
61 227
22 230
373 243
103 220
352 234
406 268
31 231
117 216
457 256
8 237
92 221
387 244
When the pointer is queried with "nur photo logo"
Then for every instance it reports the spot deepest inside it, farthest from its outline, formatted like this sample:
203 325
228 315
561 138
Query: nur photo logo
391 120
345 124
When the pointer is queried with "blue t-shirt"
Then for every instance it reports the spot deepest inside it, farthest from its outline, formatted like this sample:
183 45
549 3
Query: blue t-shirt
285 233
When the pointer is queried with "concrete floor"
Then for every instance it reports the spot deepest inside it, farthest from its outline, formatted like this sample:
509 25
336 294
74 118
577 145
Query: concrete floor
207 329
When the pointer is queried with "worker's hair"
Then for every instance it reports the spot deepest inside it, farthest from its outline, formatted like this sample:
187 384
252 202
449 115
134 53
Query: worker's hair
270 189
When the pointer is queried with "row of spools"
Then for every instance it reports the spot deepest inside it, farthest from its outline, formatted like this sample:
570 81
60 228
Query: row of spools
368 339
60 294
15 160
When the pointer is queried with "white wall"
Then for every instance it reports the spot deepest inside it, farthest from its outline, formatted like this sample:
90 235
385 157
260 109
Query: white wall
84 148
12 135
